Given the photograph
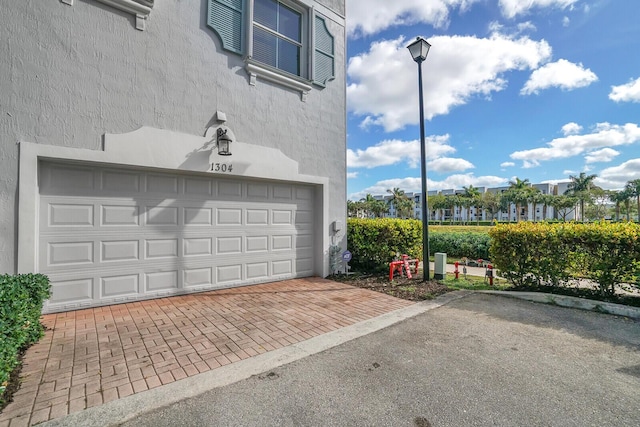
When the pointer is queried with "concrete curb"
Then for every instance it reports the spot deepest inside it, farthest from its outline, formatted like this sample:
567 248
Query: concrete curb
122 410
572 302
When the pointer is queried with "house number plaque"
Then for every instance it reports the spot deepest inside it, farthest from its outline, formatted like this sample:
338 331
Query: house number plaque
221 167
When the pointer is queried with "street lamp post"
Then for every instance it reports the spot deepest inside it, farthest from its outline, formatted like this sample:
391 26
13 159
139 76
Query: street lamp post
419 50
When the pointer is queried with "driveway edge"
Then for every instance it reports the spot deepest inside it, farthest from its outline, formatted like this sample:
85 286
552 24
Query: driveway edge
122 410
573 302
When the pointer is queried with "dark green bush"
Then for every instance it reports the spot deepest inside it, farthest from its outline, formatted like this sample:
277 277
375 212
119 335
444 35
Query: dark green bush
548 254
21 299
375 242
459 245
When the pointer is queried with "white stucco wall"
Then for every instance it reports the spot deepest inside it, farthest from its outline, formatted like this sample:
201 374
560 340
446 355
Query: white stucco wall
70 74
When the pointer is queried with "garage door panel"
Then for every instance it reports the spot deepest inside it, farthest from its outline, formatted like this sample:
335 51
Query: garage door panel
198 277
229 273
258 217
198 216
162 280
197 246
162 184
119 215
138 235
257 191
282 192
161 248
228 216
197 187
120 286
162 216
119 182
257 270
229 245
281 242
75 291
229 190
304 266
70 215
62 180
282 267
120 250
69 253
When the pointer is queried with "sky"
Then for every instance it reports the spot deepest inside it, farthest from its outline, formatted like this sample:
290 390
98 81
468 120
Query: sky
533 89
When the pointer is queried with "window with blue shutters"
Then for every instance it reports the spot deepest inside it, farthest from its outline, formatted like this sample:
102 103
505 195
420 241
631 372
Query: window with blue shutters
280 37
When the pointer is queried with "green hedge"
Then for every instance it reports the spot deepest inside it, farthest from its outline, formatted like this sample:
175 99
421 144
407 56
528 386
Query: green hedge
459 245
21 299
546 254
375 242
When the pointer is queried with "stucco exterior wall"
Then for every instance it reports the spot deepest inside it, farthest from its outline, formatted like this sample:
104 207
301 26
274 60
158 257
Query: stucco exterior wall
70 74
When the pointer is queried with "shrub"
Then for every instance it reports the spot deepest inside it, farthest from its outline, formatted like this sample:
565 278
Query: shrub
540 254
530 254
466 244
21 299
375 242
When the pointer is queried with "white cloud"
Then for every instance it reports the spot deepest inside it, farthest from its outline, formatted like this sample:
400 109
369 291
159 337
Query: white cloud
604 155
366 17
603 135
512 8
563 74
617 176
394 151
449 164
351 175
629 92
383 81
571 129
411 184
566 21
507 164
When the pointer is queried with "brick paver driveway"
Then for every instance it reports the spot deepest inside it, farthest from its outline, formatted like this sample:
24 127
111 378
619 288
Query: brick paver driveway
90 357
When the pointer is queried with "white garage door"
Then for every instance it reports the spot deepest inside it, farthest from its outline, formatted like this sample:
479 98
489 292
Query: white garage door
114 235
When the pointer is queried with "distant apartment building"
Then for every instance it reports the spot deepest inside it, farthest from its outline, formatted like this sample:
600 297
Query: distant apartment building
458 213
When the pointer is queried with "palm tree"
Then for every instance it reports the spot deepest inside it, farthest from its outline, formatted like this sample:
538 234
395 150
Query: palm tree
633 188
518 194
580 187
619 197
451 201
401 202
471 198
437 203
373 206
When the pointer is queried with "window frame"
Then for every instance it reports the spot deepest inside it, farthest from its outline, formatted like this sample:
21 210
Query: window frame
305 39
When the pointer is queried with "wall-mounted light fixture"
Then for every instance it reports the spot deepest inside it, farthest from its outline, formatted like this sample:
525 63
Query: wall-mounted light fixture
224 141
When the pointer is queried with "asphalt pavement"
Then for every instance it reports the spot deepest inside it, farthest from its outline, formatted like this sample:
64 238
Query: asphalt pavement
479 360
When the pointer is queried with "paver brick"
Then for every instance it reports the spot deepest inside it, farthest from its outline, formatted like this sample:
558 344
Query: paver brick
93 356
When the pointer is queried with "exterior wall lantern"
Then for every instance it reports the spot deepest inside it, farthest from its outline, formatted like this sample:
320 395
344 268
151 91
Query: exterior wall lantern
419 50
224 142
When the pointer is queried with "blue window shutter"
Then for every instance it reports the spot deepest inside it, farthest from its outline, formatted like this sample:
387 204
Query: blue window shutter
323 55
227 19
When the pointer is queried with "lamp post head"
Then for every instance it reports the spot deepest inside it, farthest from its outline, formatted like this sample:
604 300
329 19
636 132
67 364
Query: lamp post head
419 49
